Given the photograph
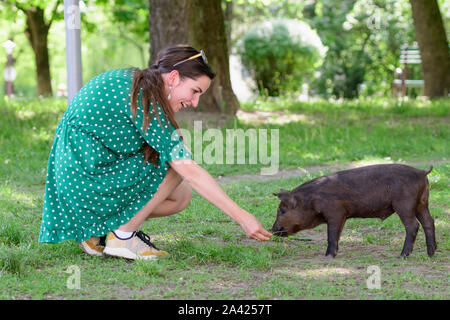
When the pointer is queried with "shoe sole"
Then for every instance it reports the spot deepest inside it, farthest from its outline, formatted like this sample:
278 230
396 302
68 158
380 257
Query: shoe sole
89 251
127 254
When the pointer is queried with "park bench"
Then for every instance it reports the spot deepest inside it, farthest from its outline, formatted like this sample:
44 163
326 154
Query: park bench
408 55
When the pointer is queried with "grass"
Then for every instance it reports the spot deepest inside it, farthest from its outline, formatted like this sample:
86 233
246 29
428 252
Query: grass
332 133
210 257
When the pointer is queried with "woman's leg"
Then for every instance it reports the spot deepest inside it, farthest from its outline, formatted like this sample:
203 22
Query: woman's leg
167 200
177 201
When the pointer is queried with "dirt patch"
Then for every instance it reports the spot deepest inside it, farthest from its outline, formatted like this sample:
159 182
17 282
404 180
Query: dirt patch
256 117
289 173
273 117
186 119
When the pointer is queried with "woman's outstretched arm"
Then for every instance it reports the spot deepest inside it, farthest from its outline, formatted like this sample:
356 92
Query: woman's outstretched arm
205 185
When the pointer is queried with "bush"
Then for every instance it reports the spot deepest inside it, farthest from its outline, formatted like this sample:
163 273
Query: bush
280 54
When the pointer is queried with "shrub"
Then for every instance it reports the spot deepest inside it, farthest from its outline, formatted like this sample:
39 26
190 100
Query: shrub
280 54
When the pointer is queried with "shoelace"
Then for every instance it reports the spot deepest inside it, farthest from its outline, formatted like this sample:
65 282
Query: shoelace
102 241
146 239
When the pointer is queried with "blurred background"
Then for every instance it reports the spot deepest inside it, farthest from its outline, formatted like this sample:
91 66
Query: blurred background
306 50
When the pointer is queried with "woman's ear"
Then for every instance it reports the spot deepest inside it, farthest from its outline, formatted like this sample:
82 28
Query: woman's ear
174 78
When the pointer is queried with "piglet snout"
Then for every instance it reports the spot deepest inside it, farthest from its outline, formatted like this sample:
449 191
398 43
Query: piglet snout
280 231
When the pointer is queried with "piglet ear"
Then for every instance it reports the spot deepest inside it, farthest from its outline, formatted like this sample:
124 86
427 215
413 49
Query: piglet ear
287 197
282 194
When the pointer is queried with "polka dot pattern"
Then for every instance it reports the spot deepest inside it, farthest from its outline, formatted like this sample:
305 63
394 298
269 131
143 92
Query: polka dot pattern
96 178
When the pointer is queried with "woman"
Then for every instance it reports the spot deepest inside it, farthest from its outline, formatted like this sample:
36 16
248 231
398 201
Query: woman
117 159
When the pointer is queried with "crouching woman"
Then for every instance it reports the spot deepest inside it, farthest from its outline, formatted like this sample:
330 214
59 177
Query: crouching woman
117 159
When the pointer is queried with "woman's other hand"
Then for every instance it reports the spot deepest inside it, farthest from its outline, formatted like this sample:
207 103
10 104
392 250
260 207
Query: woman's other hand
252 227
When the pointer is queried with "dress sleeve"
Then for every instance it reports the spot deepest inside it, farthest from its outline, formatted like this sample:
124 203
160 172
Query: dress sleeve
161 135
176 149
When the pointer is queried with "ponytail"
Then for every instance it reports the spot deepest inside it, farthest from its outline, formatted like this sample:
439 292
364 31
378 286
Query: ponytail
152 85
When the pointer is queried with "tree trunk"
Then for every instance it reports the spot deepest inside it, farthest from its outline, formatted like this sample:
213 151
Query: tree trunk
228 22
37 34
199 23
433 46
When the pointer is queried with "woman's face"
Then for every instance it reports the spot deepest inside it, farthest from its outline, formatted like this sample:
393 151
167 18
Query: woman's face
185 92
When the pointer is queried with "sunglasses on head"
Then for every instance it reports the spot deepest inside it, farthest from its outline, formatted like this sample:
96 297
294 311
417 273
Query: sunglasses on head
201 54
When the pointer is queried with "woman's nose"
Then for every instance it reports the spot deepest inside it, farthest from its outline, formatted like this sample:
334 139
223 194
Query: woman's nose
194 101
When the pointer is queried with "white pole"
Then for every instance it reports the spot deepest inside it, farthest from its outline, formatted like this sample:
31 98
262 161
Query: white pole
73 47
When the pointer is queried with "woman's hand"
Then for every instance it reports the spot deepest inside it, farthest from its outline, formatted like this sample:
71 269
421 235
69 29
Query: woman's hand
253 228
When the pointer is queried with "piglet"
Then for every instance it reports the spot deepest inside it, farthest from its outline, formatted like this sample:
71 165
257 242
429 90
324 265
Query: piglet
374 191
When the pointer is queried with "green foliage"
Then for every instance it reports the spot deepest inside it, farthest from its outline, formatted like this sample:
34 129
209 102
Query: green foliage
281 54
364 39
113 35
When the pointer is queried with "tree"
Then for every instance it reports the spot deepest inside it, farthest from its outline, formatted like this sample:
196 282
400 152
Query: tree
129 20
199 23
363 39
433 47
36 30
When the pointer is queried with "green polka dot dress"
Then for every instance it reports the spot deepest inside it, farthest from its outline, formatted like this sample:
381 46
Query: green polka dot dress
96 176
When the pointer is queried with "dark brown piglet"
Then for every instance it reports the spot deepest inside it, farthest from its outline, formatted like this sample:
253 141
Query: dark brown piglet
374 191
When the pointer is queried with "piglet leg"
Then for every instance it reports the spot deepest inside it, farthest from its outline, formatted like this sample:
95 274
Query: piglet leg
411 226
335 226
427 222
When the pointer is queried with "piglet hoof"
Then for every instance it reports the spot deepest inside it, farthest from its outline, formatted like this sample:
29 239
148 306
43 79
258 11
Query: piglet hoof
431 250
403 256
330 254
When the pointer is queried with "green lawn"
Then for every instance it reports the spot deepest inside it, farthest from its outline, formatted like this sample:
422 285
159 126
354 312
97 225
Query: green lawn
327 133
210 257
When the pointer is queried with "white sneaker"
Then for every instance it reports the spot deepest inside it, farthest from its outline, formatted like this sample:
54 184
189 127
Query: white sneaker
138 246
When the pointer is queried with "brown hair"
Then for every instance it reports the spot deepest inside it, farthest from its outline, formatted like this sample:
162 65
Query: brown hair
152 85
